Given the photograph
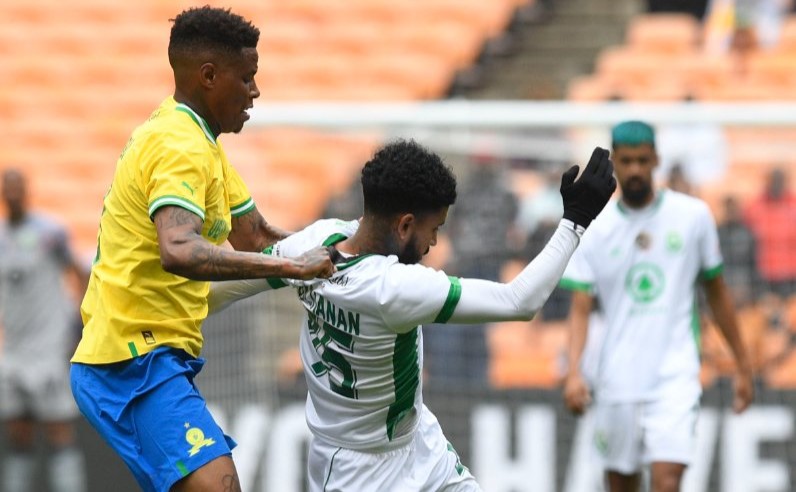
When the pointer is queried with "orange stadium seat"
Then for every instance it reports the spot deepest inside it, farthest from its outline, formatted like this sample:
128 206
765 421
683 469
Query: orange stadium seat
787 34
629 66
97 69
667 33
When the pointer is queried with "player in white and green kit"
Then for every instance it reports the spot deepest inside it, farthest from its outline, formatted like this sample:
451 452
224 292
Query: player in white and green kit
642 260
361 342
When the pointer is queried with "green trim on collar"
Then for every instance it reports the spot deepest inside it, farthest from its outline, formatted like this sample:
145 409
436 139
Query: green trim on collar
198 120
654 206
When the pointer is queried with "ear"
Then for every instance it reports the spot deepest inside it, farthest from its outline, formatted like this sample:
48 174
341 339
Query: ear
207 75
405 227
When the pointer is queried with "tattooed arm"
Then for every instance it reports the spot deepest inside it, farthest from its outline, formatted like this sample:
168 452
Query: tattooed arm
251 232
184 252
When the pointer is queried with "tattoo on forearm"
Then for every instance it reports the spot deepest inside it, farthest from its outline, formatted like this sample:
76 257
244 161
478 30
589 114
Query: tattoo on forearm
177 216
252 233
230 484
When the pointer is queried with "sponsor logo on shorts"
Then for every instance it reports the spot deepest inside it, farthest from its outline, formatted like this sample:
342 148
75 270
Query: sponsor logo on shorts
196 438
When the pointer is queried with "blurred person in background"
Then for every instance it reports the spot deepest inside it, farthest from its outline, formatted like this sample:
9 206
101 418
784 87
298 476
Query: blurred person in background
771 217
39 318
363 329
479 231
642 257
174 201
739 249
678 181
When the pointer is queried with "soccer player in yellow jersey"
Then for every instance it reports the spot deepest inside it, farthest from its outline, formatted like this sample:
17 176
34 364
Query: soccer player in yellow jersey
173 201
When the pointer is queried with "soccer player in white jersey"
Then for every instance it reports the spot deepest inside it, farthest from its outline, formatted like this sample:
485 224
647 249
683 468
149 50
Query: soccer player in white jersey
361 342
641 260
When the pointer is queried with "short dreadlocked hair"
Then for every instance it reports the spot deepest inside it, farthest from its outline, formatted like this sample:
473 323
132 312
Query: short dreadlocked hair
405 177
209 28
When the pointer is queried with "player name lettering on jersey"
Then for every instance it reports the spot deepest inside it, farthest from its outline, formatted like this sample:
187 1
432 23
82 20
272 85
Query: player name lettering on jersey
324 309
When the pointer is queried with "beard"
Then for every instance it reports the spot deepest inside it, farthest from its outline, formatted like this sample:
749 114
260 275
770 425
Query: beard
636 192
410 254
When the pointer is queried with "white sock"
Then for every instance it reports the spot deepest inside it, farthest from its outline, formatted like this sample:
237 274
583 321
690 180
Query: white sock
67 470
18 472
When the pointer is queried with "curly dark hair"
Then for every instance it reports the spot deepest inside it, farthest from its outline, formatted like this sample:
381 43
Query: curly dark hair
405 177
202 28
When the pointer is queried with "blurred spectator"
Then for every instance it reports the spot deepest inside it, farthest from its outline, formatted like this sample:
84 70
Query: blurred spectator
743 26
700 149
678 181
739 250
39 320
479 229
348 205
771 217
543 207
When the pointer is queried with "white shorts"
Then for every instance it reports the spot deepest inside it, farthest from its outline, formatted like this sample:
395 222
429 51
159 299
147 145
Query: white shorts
427 463
630 435
40 391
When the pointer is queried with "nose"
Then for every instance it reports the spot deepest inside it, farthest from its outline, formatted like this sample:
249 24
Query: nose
254 91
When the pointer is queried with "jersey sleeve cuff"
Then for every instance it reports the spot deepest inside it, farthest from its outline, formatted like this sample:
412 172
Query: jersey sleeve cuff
569 225
712 273
242 209
175 200
454 294
570 284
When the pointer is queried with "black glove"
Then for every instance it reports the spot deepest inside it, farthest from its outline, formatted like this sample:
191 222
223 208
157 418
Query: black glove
585 198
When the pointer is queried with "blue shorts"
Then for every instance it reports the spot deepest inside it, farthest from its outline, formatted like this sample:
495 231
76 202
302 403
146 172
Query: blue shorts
151 413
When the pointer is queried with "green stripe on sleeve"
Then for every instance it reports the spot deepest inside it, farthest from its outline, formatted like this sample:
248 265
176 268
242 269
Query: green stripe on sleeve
569 284
243 208
274 282
454 294
712 273
178 201
133 350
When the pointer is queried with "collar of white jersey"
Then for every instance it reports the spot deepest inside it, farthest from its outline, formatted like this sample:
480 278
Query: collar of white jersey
651 208
198 120
348 261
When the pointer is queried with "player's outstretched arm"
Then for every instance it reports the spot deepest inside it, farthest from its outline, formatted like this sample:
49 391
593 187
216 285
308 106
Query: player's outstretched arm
584 198
720 302
251 232
576 392
183 251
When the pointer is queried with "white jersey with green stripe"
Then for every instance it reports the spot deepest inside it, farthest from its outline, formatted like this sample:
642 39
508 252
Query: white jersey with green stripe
643 267
362 343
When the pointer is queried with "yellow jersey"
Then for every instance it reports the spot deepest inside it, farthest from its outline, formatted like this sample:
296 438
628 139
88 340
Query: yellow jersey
132 305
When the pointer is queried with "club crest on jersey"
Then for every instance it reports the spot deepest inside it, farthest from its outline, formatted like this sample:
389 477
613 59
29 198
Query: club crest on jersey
674 242
644 282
